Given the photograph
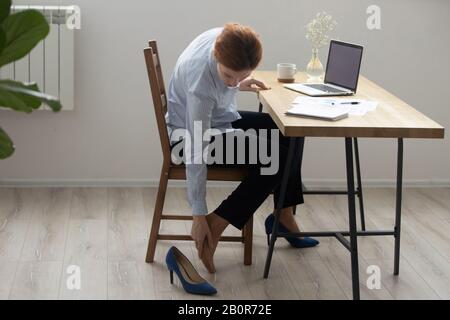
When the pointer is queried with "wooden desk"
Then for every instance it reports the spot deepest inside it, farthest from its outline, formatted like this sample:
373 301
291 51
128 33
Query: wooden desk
393 118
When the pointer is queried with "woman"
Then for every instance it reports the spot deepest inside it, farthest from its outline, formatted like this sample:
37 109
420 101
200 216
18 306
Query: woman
202 96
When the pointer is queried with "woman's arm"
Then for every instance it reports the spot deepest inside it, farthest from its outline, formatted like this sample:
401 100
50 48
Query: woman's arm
198 120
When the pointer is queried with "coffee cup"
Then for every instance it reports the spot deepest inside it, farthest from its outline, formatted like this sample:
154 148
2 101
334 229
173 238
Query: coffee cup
286 72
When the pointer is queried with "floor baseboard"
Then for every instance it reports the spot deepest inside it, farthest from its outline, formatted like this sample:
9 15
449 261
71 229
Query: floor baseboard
310 183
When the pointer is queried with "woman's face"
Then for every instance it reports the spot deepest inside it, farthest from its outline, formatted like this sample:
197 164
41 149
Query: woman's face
230 77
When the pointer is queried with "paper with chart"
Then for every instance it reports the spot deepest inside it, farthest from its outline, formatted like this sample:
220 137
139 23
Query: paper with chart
343 104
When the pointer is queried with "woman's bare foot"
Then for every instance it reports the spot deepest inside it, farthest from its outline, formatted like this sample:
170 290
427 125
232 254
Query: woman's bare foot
217 226
207 259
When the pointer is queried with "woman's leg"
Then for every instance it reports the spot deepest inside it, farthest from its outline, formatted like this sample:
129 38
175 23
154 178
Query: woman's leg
255 188
294 193
242 203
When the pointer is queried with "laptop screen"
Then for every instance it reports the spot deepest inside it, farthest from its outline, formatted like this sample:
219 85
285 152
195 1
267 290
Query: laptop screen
344 63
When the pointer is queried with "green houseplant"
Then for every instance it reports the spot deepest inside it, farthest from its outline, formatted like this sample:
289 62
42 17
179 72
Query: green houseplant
19 34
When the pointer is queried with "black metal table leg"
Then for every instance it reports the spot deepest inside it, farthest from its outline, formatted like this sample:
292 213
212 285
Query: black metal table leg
360 190
292 151
352 218
398 206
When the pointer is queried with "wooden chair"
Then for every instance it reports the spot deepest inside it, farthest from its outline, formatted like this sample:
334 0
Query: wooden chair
171 171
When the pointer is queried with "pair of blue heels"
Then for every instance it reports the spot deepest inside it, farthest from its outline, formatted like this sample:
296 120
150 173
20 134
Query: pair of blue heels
193 283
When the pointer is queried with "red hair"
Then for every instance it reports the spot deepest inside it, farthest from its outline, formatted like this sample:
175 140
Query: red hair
238 47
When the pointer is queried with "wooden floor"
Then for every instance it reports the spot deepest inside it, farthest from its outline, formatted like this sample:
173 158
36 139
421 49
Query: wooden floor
104 231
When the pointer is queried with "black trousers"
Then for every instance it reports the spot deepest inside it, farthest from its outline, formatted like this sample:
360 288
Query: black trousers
243 202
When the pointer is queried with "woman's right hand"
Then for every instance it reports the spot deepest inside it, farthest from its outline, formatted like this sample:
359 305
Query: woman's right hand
201 232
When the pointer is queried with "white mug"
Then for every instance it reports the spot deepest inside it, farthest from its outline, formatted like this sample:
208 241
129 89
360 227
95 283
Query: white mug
286 71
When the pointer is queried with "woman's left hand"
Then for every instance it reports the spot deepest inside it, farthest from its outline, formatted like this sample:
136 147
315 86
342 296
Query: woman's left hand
252 85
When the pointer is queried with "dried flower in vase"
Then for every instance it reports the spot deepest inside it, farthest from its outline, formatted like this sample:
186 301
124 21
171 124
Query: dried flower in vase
317 29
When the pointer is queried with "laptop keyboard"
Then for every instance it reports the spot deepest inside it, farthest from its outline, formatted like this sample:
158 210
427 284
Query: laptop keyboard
325 88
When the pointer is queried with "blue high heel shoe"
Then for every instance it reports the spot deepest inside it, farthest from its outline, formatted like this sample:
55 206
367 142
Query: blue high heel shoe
191 281
294 241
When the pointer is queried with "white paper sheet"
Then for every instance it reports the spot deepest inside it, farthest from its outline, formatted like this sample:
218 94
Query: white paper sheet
359 109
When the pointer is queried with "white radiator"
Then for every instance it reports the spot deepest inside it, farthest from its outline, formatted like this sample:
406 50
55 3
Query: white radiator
51 63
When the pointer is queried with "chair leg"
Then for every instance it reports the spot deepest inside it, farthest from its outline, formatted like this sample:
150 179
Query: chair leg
159 205
248 242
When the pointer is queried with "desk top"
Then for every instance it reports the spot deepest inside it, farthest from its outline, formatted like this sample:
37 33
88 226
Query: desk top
393 118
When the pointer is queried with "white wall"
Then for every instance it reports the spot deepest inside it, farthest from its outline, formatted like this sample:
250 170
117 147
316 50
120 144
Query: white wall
111 137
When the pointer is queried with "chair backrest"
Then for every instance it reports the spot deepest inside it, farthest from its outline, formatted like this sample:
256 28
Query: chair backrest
159 95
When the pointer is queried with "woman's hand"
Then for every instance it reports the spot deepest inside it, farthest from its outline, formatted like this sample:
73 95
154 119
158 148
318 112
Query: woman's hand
201 232
252 85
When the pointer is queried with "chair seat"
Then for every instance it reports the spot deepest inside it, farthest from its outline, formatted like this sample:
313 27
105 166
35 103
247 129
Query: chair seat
215 173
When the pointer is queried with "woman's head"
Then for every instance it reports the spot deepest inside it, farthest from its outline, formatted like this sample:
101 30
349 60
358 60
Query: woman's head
238 52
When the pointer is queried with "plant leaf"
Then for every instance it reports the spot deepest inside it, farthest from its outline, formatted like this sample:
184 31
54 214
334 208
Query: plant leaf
6 145
5 8
24 30
25 97
17 101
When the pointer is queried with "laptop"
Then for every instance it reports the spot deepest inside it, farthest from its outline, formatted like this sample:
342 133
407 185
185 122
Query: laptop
342 73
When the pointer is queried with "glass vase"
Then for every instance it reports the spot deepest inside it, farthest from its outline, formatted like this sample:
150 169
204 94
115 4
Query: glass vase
314 70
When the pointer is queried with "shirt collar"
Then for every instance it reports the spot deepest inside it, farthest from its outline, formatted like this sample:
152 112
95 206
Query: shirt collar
212 63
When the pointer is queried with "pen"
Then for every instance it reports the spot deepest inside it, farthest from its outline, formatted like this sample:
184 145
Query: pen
352 102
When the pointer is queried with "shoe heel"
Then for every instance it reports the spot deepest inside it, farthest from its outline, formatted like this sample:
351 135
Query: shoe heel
171 276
